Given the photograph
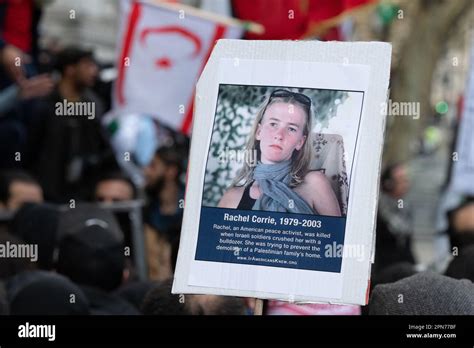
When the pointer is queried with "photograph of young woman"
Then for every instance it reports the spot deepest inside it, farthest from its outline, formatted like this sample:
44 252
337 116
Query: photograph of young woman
281 181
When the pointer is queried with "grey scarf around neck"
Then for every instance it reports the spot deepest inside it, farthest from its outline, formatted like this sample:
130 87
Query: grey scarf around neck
273 181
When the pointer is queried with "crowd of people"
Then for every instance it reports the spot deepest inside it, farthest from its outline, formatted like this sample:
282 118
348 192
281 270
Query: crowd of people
62 252
59 171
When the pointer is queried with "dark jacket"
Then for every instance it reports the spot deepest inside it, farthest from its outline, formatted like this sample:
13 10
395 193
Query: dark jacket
65 152
103 303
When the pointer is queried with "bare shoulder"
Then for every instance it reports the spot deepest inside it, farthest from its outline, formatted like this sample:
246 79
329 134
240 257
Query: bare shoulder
316 178
231 197
319 188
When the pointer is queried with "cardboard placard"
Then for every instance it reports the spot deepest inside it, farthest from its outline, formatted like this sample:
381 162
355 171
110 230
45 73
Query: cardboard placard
284 168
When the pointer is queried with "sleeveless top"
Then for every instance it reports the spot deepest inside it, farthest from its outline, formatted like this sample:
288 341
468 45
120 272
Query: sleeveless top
246 202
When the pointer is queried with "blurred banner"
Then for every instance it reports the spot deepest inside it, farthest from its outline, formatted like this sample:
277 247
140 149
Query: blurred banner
463 169
296 19
222 7
162 51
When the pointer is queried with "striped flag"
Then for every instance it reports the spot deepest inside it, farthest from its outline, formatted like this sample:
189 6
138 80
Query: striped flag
162 52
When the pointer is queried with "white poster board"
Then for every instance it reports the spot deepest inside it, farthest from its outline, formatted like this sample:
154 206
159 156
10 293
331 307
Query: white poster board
305 235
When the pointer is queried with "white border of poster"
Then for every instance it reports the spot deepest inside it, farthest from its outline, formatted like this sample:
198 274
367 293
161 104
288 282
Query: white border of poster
362 69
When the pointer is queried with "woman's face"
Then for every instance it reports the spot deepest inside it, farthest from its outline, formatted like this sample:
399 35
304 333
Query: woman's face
281 132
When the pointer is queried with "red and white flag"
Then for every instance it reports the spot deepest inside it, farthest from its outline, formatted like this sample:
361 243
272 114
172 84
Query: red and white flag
162 52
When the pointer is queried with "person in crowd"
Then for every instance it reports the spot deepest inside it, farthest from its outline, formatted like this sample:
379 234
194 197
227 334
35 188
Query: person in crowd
75 218
4 307
114 187
281 136
19 21
424 293
23 88
9 55
160 301
462 265
218 305
37 224
162 251
393 273
174 251
394 219
461 225
164 188
135 292
67 148
18 187
164 211
48 293
11 266
389 274
93 257
18 86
